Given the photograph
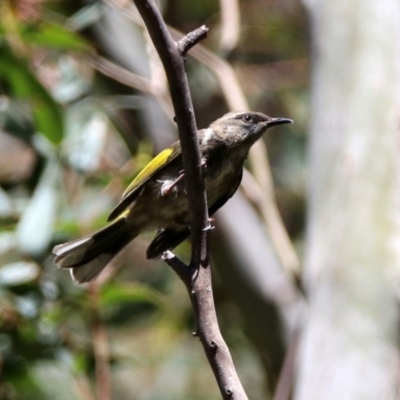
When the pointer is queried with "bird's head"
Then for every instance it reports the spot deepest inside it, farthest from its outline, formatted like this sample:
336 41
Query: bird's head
239 127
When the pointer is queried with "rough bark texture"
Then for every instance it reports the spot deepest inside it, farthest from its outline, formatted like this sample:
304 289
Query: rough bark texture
350 344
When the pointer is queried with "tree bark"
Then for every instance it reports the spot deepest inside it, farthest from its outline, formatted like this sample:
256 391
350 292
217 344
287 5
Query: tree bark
350 344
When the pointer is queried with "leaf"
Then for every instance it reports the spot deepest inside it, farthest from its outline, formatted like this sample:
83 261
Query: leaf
55 36
131 292
72 82
18 273
87 129
24 85
46 120
35 228
7 242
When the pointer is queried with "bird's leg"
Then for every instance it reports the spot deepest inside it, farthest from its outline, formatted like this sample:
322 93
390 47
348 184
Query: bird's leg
167 187
209 227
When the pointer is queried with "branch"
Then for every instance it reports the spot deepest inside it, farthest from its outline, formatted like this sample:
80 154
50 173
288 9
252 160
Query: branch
197 277
130 79
191 39
180 268
287 376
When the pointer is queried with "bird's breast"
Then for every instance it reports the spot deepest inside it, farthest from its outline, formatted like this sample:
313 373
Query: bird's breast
221 172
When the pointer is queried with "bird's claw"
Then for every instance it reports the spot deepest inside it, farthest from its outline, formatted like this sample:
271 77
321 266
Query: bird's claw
167 187
209 227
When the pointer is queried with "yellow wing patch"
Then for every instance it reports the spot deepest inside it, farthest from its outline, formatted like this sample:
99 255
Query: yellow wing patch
150 169
156 164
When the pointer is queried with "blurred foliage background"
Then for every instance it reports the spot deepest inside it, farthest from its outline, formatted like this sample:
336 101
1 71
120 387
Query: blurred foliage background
84 106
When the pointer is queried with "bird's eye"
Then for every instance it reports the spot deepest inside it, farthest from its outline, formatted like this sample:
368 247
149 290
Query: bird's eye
247 118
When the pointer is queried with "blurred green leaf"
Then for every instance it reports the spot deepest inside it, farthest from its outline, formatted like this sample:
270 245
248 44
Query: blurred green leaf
51 35
28 333
80 362
27 386
23 84
118 293
46 120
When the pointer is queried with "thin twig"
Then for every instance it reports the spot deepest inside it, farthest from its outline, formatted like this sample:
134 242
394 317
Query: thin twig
191 39
286 377
180 268
121 74
135 81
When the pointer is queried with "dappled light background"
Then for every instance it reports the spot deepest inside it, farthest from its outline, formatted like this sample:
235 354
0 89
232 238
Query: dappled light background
84 106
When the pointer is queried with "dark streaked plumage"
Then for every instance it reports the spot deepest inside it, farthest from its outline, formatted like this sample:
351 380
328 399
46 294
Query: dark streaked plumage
156 198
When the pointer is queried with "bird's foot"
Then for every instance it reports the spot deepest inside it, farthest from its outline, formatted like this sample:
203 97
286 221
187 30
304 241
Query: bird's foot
209 227
166 188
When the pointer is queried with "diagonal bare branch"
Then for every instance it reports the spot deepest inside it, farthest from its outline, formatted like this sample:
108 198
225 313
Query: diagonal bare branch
197 277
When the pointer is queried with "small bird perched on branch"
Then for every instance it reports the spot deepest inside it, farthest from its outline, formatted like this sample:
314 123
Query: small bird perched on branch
156 199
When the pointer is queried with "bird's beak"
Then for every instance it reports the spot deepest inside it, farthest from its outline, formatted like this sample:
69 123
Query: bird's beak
279 121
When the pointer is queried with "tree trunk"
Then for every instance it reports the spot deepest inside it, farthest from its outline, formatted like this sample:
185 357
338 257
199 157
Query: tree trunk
350 343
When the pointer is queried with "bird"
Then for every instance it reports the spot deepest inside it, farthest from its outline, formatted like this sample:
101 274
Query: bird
156 199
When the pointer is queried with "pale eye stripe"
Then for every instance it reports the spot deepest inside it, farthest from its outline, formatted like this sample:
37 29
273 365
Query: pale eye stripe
233 115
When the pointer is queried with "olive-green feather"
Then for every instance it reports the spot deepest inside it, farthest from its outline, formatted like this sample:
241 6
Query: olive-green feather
134 189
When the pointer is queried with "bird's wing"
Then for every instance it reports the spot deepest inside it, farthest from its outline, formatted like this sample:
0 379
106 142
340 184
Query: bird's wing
134 189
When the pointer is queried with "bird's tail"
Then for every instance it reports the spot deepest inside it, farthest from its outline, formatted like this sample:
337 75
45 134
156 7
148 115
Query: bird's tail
88 256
